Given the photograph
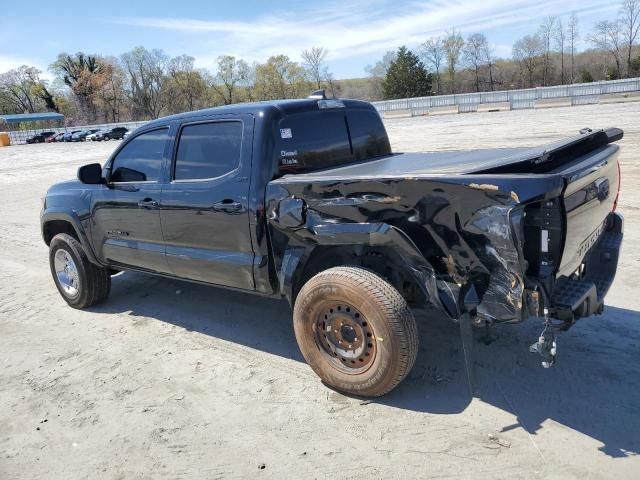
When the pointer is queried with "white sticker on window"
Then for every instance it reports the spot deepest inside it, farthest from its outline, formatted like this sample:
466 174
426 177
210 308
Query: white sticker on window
285 133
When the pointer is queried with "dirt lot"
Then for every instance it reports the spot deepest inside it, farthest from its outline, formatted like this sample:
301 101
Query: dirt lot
175 380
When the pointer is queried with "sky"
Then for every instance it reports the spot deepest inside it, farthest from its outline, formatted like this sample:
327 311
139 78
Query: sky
356 33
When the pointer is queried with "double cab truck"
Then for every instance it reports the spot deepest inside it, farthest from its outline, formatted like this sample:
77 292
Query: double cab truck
304 200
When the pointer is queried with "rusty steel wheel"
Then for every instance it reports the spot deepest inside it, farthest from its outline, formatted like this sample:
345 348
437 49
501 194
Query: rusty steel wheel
355 331
347 337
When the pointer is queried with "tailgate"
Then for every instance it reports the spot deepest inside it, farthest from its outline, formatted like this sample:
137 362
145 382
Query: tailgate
590 195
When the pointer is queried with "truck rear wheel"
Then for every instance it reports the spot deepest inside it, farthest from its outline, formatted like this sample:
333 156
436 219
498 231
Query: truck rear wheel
355 331
80 282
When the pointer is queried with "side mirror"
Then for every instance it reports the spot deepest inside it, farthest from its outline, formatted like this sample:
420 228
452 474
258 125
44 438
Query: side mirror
91 173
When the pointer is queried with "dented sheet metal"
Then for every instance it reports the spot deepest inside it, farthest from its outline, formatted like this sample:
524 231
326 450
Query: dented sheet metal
502 300
450 231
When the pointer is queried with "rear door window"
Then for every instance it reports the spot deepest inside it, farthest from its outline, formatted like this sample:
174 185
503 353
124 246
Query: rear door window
208 150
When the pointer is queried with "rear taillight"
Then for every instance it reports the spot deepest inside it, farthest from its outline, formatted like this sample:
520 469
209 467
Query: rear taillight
615 202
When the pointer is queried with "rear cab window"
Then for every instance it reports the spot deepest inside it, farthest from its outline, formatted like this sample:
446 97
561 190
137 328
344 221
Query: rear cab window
314 140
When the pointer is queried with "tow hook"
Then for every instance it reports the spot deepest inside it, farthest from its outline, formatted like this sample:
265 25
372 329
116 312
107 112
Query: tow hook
546 345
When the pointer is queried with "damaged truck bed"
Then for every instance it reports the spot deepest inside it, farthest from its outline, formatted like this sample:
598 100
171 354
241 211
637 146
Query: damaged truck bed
313 206
515 223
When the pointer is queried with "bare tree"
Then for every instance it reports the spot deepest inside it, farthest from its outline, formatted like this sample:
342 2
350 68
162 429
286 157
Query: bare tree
313 59
377 73
547 29
250 82
560 37
111 93
607 36
18 89
487 53
473 53
572 37
630 25
432 53
146 75
231 73
186 86
328 77
452 45
528 52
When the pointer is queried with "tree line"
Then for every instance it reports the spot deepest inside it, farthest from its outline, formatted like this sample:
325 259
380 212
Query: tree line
549 56
145 84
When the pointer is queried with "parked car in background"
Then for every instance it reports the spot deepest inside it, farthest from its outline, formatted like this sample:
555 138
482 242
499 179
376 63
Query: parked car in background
55 138
126 135
116 133
67 136
81 136
94 136
40 137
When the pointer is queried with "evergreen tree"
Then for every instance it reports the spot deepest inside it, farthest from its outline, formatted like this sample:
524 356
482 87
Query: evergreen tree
406 77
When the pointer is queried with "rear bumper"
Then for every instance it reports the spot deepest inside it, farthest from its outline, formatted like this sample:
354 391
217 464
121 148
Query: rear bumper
582 296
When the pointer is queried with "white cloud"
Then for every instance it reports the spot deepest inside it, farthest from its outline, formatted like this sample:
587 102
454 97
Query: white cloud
10 62
360 27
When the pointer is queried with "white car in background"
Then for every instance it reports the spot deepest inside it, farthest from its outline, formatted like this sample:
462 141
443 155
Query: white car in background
93 136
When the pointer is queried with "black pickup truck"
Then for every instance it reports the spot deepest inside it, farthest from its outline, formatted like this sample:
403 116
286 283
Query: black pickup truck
303 199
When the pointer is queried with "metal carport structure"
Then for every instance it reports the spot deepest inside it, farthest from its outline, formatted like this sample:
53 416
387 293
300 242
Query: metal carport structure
24 125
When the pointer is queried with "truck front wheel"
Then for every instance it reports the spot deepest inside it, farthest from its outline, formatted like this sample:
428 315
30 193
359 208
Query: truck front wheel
80 282
355 331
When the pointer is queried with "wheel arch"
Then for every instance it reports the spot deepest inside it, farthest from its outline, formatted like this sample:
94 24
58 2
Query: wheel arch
381 248
60 221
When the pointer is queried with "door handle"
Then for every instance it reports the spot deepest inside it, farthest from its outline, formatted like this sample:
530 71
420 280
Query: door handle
148 203
227 205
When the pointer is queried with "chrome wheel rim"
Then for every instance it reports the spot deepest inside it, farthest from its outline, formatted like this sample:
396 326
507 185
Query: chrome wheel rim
66 273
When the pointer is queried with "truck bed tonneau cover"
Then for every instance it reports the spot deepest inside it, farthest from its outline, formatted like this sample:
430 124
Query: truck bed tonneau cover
460 162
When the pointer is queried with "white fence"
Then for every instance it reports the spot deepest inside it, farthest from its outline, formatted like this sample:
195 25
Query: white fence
577 94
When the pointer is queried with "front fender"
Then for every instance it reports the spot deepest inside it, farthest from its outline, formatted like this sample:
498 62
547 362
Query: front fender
70 216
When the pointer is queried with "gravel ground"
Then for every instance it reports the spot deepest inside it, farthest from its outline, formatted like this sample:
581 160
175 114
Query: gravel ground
175 380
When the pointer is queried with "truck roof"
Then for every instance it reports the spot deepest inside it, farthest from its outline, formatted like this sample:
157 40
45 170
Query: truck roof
283 106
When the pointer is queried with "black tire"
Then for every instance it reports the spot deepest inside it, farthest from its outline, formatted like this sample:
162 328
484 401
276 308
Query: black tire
93 282
358 303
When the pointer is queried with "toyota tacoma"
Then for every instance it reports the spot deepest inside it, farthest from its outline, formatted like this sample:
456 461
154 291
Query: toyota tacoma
304 200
